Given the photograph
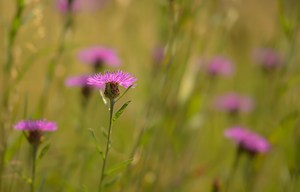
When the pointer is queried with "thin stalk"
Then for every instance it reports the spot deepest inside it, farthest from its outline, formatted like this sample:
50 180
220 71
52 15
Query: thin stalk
111 112
34 153
233 168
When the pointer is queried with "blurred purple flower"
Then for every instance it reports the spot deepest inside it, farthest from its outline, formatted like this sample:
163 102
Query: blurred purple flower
158 55
65 5
234 103
110 81
77 81
220 66
99 55
269 59
35 129
78 5
35 125
247 140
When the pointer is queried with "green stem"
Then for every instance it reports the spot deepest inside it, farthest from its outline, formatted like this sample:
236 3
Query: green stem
111 112
233 168
34 153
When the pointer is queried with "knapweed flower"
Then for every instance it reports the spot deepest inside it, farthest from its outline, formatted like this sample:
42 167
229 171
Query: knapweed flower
268 59
65 6
220 66
98 56
110 82
35 129
80 81
248 140
233 103
77 81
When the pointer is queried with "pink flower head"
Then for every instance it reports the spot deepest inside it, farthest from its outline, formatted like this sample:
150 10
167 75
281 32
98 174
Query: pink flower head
234 103
35 125
77 81
110 81
65 6
268 58
247 140
220 66
99 55
34 129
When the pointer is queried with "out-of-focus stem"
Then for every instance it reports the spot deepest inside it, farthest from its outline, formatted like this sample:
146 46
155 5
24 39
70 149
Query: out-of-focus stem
34 153
54 61
6 81
111 112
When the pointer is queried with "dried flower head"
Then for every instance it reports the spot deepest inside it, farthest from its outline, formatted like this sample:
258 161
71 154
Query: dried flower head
248 140
110 82
234 103
220 66
98 56
35 129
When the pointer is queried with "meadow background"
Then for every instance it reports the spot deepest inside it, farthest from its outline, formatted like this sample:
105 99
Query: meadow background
170 132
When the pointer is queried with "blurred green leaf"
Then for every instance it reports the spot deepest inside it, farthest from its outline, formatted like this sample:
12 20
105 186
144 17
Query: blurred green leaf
120 111
44 150
118 166
285 126
96 142
112 181
104 133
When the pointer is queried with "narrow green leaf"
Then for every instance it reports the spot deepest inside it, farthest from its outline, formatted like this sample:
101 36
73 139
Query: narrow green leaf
44 150
120 111
112 181
118 166
96 142
104 133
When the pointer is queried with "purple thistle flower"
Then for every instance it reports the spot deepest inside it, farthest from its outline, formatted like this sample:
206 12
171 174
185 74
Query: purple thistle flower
80 81
35 125
268 59
65 6
110 81
234 103
247 140
77 81
35 129
220 66
98 56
